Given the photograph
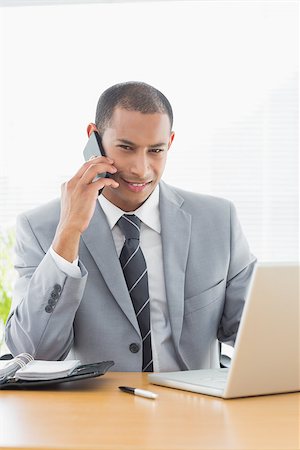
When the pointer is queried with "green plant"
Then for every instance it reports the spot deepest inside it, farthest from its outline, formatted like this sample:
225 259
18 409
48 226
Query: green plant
7 274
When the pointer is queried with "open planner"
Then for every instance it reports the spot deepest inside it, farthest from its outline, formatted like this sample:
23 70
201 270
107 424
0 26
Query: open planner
25 372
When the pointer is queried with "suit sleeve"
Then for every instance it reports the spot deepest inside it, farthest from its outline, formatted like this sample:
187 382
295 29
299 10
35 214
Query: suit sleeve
45 300
240 272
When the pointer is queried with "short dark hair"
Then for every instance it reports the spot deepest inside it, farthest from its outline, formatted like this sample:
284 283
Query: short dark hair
133 96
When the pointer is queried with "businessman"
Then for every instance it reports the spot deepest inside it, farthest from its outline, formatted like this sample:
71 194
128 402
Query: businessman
145 274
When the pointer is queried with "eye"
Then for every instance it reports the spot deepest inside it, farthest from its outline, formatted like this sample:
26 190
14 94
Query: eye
125 147
157 150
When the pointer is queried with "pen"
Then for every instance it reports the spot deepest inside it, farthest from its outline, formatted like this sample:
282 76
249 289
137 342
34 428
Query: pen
140 392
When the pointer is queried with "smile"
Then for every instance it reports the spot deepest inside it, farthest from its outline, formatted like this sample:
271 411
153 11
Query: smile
136 187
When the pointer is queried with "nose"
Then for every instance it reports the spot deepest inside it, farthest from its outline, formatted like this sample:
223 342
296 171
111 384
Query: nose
140 166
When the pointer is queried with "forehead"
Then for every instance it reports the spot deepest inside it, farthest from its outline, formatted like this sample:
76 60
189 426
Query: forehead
134 124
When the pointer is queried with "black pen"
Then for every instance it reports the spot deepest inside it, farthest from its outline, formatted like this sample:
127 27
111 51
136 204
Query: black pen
140 392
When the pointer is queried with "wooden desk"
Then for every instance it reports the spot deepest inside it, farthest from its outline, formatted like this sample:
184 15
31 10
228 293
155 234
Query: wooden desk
94 414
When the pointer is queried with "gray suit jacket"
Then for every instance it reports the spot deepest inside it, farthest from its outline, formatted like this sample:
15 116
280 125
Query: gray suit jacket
207 269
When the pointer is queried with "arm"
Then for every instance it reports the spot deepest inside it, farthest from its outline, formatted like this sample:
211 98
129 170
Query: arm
46 299
240 271
35 326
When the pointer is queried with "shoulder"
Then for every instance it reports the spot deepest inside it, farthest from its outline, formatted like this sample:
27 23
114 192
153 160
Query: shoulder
46 213
193 202
41 221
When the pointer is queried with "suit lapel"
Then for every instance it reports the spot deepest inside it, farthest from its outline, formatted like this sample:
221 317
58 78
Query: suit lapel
175 232
99 241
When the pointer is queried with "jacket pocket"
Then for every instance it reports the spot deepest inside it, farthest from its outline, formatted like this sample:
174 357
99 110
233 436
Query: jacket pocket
205 298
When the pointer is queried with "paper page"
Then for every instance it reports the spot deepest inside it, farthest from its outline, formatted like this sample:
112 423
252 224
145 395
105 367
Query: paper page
46 370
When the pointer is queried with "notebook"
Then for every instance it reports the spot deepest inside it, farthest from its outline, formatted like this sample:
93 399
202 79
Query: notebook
24 371
24 367
266 355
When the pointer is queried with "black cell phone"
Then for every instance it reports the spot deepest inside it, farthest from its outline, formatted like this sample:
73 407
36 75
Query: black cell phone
94 148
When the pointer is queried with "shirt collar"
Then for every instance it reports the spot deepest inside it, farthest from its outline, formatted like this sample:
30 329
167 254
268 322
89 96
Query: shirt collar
148 212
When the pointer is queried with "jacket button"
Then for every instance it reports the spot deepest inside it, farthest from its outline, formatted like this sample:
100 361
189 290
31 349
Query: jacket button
134 348
52 302
54 295
49 309
57 288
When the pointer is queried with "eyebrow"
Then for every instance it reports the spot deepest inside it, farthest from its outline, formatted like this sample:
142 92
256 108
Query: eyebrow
125 141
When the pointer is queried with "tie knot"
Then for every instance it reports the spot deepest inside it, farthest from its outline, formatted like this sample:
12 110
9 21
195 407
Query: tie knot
130 226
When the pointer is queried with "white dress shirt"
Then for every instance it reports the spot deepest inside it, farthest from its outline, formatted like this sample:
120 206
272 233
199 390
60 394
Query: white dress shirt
164 357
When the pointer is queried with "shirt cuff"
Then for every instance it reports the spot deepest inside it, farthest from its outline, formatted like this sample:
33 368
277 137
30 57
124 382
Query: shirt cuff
69 268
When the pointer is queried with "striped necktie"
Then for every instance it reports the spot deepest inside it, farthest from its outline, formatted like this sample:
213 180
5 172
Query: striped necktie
135 272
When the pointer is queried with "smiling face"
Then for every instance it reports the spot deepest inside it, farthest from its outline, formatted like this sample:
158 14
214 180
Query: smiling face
138 143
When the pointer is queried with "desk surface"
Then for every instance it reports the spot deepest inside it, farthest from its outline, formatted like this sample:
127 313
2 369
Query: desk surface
94 414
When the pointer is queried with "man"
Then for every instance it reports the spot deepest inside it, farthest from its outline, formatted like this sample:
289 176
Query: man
145 274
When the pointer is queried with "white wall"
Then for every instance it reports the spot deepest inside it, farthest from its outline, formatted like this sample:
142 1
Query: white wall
230 70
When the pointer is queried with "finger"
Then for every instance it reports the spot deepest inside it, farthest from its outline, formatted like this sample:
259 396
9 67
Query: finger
98 159
102 182
95 169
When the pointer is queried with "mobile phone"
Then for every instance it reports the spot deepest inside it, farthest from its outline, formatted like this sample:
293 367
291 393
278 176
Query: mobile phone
94 148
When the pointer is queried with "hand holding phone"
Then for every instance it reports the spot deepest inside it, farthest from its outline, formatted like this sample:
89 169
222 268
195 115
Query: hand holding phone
78 198
93 149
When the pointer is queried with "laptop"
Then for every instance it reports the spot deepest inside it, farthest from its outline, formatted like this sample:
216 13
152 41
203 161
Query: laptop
266 356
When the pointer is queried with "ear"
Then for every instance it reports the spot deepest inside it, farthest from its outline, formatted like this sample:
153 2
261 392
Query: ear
90 128
171 139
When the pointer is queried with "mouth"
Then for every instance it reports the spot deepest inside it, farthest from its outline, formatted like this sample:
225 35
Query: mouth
135 186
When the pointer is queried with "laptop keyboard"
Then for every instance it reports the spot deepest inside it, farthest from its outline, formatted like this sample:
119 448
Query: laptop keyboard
215 378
